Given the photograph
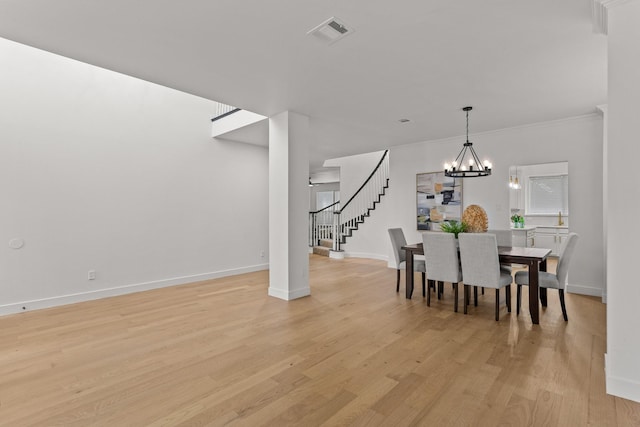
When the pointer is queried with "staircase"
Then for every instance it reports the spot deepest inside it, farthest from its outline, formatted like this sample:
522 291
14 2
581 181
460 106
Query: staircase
337 223
324 248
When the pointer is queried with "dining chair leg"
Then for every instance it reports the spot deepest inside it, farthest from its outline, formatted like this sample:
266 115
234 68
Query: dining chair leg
429 294
455 296
440 289
483 290
497 304
564 308
508 298
543 296
466 298
475 296
518 299
424 283
398 281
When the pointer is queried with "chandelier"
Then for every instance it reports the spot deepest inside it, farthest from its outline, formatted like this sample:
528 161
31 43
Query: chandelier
470 168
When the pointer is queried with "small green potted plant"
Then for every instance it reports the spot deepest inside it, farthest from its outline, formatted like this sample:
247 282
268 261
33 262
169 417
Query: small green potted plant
518 221
453 226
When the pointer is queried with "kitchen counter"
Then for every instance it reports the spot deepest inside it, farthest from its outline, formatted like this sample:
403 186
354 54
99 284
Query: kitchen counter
525 228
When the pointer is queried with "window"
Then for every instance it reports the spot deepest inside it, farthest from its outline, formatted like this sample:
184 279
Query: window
548 195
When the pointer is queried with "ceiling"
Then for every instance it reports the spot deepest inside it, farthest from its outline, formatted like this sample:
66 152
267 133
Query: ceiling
515 61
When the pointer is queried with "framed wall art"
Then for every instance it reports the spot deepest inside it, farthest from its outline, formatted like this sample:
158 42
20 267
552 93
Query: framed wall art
438 199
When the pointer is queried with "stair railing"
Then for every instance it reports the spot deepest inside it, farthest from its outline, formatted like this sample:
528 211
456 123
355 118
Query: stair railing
358 207
223 110
321 224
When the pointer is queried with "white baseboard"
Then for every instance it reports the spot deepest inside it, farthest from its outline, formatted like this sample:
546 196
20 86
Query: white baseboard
623 387
620 387
289 295
23 306
366 255
584 290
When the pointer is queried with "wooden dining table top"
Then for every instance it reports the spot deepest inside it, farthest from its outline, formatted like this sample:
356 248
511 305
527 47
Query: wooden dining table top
519 252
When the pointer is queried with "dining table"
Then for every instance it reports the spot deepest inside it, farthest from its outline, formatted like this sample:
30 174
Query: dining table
534 258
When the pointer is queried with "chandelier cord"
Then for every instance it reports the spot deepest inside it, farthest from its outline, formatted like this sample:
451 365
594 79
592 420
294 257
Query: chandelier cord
467 125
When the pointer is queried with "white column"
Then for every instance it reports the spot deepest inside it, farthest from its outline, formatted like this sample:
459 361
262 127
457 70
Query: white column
623 232
605 191
288 206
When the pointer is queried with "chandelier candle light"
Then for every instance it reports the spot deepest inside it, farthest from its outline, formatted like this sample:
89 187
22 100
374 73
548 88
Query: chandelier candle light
473 168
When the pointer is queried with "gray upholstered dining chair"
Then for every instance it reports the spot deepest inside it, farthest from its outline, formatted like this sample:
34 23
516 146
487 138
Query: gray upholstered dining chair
549 280
397 242
442 261
481 267
503 238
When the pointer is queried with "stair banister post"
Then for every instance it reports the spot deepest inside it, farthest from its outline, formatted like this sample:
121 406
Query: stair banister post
311 228
336 230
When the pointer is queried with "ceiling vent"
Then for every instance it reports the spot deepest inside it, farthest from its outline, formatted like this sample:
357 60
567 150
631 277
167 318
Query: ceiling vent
331 30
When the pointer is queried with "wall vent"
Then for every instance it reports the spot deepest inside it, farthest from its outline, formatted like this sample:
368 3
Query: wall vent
331 30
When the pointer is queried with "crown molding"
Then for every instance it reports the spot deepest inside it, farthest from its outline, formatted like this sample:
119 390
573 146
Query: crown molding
599 14
596 115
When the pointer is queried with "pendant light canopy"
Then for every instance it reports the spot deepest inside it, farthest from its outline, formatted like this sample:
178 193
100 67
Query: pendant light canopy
467 164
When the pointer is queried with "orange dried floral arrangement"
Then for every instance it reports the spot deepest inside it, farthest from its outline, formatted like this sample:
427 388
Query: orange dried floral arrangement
476 219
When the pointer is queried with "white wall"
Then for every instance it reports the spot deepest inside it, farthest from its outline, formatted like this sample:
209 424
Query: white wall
577 140
623 292
101 171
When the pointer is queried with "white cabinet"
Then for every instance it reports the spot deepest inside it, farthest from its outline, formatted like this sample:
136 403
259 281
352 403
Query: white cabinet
551 238
546 240
524 237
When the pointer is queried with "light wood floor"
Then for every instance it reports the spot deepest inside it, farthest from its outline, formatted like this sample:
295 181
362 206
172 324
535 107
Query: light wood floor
354 353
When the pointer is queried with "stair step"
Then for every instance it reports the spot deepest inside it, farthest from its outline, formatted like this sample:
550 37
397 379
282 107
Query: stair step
321 250
327 243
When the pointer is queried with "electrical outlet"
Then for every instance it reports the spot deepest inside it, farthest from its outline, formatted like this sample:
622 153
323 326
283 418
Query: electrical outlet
91 275
261 254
